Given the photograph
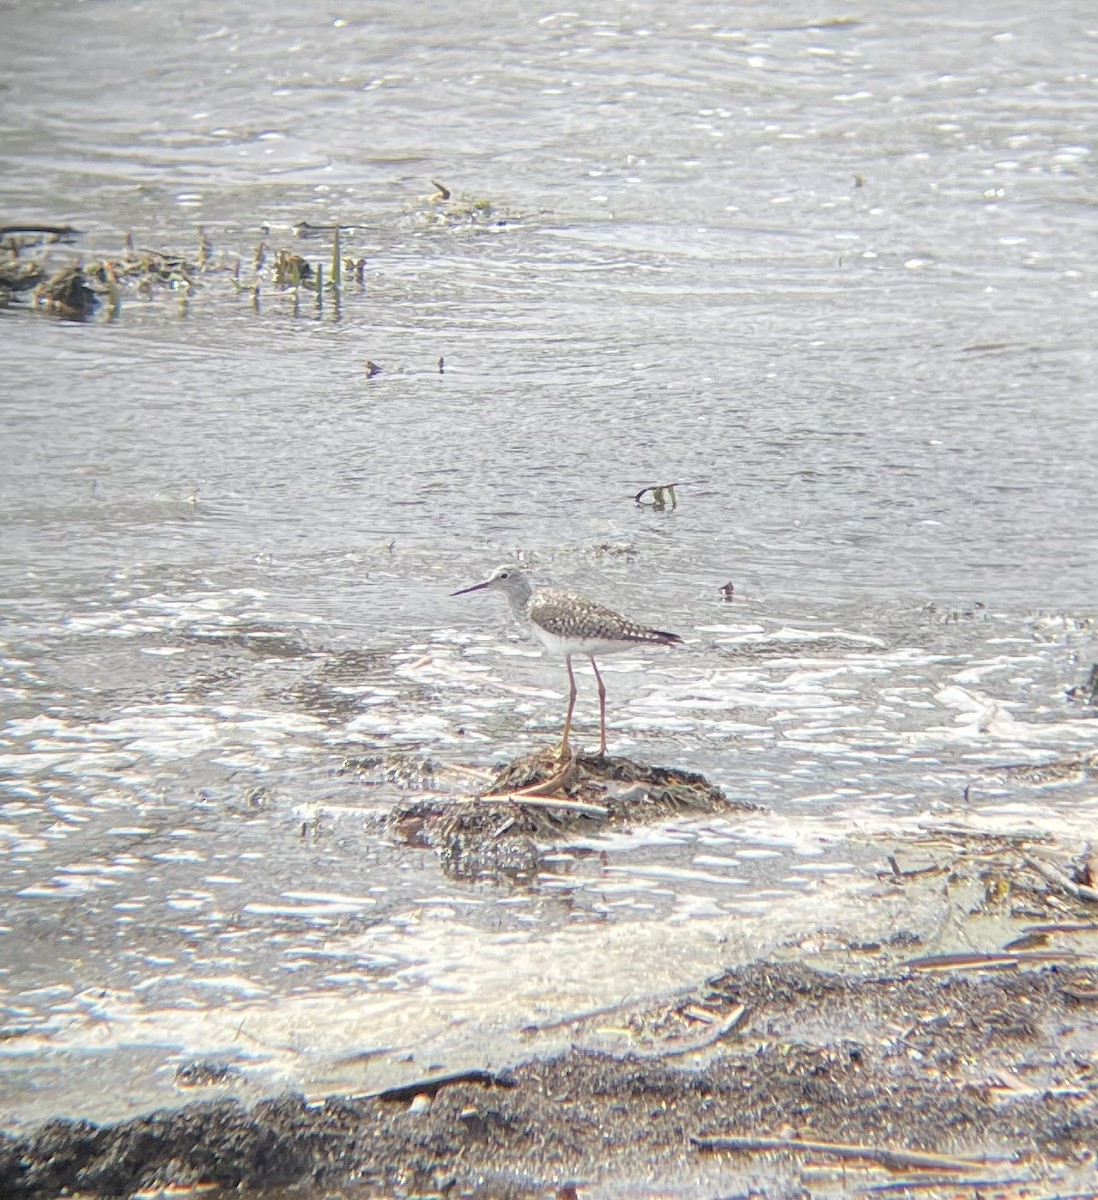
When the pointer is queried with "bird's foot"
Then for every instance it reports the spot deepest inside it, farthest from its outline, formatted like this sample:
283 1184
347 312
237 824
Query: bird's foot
555 783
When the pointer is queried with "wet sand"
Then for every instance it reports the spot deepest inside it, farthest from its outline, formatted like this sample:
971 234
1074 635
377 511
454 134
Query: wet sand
984 1071
944 1074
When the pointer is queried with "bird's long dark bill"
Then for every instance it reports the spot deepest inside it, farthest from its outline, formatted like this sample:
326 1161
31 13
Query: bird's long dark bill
475 588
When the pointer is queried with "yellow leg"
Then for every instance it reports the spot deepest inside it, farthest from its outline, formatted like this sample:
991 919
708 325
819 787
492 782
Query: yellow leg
602 708
571 706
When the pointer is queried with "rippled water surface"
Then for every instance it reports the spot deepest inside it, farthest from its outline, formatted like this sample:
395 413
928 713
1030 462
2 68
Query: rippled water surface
831 272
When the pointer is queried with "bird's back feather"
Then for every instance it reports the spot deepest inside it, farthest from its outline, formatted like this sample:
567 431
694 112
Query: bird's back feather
568 616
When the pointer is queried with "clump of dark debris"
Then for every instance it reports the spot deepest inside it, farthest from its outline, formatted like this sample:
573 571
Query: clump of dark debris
536 799
204 1073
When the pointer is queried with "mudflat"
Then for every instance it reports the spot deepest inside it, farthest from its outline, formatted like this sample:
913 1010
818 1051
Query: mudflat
772 1080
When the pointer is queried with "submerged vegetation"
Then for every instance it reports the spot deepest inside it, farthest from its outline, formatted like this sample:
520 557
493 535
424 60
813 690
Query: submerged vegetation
99 289
42 269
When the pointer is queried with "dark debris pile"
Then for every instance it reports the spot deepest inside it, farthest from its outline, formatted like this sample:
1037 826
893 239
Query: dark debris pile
515 820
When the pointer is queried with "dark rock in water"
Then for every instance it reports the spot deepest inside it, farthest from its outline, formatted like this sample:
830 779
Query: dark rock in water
535 799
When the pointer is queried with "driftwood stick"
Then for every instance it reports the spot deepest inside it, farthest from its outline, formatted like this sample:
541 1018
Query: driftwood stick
909 1184
432 1085
882 1154
1062 927
949 829
63 232
962 960
712 1035
1081 993
1052 874
578 1018
531 801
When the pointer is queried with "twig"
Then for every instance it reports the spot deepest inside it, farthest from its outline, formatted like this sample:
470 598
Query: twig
409 1091
577 1018
881 1154
531 800
950 829
1062 927
731 1023
1080 993
468 772
911 873
1058 879
963 960
904 1185
604 1010
61 232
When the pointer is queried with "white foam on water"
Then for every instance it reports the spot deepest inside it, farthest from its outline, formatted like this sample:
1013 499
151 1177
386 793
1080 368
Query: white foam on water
677 874
323 909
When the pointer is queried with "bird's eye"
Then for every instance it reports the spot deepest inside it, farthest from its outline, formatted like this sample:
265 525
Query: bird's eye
504 575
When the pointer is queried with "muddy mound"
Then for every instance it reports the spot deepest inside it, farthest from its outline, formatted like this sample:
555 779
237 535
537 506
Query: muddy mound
536 799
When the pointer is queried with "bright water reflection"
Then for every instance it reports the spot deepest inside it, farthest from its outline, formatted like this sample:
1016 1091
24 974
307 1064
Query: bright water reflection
835 279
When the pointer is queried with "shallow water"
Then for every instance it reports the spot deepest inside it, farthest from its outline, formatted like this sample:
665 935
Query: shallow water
834 278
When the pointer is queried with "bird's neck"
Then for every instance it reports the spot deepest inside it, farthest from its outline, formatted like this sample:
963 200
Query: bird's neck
519 600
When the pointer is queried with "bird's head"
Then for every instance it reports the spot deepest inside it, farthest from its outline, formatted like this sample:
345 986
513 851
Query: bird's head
508 579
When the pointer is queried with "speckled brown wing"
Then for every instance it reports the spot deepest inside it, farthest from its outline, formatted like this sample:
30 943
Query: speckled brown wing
568 616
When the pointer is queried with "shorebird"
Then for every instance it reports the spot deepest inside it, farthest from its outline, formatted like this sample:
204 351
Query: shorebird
567 624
